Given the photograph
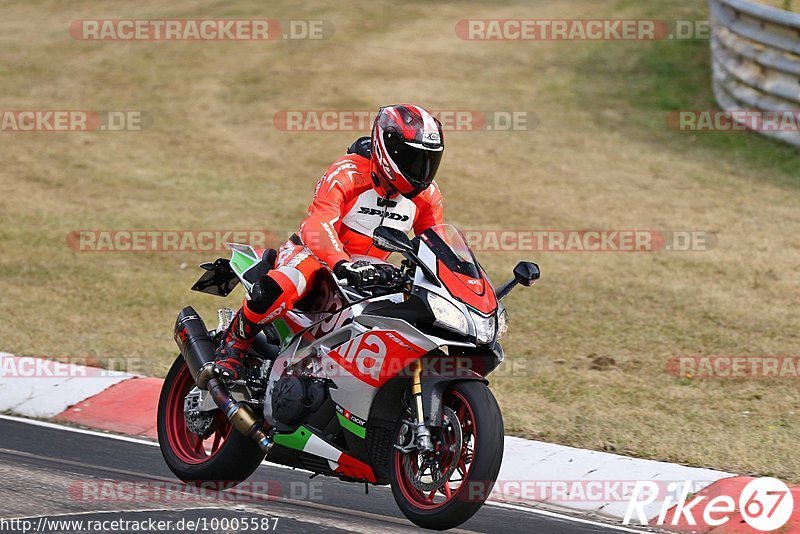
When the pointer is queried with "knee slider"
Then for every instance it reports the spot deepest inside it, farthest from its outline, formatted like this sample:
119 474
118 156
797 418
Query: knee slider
264 294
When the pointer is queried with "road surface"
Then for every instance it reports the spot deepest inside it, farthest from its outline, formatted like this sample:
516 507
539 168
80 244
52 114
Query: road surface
61 479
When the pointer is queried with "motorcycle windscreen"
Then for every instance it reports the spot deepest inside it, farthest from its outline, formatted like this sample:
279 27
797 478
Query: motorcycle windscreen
449 245
458 269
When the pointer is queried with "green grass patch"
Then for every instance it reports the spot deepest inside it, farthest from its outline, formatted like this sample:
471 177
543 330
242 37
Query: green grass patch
644 82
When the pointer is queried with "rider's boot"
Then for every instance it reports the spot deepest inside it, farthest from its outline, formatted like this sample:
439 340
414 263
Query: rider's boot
232 352
267 301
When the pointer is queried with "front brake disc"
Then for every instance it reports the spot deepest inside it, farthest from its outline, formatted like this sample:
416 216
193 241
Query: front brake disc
448 440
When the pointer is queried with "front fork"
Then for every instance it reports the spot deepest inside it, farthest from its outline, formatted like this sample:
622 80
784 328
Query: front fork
421 432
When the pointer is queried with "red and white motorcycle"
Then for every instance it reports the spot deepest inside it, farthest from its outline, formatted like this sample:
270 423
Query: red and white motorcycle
386 385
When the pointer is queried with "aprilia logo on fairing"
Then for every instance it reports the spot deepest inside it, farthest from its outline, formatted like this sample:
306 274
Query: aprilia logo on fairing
393 216
367 355
374 356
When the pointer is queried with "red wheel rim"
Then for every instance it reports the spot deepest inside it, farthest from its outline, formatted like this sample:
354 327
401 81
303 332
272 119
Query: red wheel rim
187 445
451 489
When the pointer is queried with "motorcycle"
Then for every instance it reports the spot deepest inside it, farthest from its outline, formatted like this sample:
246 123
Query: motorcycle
382 385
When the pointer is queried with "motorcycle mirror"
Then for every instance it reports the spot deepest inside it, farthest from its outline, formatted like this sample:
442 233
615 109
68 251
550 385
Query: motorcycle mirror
391 240
526 273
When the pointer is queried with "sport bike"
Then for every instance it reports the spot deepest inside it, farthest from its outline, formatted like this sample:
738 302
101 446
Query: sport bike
380 385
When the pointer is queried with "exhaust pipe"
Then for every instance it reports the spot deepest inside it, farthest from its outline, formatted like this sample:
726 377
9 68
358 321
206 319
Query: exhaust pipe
197 349
196 345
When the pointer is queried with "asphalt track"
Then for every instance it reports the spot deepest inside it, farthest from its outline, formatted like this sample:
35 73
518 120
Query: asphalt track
51 474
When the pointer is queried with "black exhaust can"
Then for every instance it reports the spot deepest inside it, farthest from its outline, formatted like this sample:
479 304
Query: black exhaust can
192 338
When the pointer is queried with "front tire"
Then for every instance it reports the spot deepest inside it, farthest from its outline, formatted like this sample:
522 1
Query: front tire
478 464
226 455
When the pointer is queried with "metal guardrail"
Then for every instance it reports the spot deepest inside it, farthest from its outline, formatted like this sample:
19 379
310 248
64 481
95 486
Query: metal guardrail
755 56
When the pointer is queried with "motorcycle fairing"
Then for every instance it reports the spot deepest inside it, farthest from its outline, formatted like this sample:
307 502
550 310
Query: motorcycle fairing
307 441
429 257
243 259
358 353
458 270
469 290
376 356
358 358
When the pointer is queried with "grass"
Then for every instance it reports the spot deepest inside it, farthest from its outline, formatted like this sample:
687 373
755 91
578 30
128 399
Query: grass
663 77
587 346
788 5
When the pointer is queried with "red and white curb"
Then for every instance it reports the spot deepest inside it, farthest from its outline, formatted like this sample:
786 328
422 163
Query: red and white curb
533 472
86 396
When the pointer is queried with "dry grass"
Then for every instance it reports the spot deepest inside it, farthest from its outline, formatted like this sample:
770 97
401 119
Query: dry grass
788 5
600 158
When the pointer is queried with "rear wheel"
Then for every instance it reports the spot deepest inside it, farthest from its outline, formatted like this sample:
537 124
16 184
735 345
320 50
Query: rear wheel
225 454
442 489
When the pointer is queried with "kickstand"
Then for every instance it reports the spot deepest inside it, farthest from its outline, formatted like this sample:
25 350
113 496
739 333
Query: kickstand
366 488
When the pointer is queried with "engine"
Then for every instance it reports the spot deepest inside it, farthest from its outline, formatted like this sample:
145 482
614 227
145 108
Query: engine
295 397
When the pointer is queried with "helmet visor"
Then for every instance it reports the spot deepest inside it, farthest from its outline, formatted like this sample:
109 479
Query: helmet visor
417 164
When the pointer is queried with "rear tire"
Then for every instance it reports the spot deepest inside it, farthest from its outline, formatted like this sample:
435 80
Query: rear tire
482 425
232 457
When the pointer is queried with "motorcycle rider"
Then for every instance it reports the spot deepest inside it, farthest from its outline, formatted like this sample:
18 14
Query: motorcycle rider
388 180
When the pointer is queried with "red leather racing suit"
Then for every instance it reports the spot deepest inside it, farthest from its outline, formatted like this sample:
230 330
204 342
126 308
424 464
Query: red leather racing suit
346 209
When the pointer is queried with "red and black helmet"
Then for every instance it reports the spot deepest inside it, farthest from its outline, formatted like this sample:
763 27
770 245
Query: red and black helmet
407 147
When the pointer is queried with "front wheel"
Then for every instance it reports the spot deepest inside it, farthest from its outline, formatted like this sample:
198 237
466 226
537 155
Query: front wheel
442 489
220 453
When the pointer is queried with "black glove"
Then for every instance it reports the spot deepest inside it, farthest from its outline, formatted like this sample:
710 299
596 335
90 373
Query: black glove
358 274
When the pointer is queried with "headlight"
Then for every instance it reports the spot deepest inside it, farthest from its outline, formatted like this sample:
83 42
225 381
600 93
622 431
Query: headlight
447 315
484 328
502 324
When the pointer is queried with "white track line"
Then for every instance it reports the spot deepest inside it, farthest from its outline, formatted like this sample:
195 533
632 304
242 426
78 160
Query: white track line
129 439
46 424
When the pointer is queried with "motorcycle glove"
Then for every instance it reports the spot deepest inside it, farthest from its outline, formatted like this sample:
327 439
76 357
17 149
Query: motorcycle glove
358 274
